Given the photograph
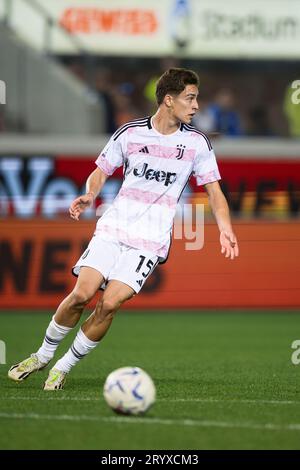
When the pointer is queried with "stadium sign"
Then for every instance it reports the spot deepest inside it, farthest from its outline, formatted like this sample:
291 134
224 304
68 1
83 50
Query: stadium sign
187 28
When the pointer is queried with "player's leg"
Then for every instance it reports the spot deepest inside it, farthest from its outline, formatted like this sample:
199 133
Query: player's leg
91 332
70 310
98 323
126 278
64 319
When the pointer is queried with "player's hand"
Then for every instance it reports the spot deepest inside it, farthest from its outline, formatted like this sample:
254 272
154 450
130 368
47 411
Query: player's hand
229 244
80 204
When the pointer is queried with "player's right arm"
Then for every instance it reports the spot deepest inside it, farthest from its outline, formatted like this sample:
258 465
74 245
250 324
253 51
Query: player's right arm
94 184
111 158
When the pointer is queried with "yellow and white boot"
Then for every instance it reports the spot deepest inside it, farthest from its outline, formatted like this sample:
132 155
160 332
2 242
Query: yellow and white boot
56 380
24 369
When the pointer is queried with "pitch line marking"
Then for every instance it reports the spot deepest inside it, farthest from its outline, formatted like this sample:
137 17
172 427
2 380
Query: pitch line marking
141 420
174 400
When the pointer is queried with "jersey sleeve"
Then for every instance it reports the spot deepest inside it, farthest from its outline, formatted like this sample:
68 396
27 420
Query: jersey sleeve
205 167
111 157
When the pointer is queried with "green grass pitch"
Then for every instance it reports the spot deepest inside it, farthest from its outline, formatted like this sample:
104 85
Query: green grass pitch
224 380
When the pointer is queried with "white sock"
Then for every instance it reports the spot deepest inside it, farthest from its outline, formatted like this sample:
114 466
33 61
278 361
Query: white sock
80 348
54 335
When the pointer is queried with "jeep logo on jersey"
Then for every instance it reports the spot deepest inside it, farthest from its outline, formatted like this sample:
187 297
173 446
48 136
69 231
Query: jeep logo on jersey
159 175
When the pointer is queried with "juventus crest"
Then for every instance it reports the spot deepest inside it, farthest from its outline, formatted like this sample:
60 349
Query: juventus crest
180 149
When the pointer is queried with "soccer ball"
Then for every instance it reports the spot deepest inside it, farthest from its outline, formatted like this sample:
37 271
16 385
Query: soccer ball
129 391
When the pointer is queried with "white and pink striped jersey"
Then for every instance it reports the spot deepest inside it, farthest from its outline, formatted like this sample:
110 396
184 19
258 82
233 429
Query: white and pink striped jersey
157 168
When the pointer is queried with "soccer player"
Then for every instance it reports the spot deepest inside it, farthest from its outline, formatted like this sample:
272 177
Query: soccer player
158 154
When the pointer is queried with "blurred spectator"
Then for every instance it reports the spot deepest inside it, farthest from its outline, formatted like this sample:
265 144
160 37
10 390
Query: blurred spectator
126 86
258 122
149 93
204 119
125 110
292 112
226 119
104 88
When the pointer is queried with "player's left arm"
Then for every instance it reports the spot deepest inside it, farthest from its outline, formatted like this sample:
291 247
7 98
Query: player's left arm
220 209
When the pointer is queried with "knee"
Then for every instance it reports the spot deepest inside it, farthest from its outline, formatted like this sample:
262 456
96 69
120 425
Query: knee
110 305
108 308
80 297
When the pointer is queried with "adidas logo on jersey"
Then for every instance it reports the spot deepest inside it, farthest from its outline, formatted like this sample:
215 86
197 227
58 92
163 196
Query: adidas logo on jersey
158 175
144 149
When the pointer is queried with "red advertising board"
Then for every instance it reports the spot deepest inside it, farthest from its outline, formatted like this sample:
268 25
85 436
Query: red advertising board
36 257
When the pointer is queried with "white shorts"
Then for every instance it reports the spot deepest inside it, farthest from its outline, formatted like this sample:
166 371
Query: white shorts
117 261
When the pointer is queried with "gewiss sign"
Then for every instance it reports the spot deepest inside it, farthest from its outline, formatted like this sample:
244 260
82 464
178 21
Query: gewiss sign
190 28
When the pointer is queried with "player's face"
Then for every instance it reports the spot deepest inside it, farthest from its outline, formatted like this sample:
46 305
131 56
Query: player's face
185 105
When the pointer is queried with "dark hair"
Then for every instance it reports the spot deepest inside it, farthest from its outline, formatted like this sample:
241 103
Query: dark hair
174 81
